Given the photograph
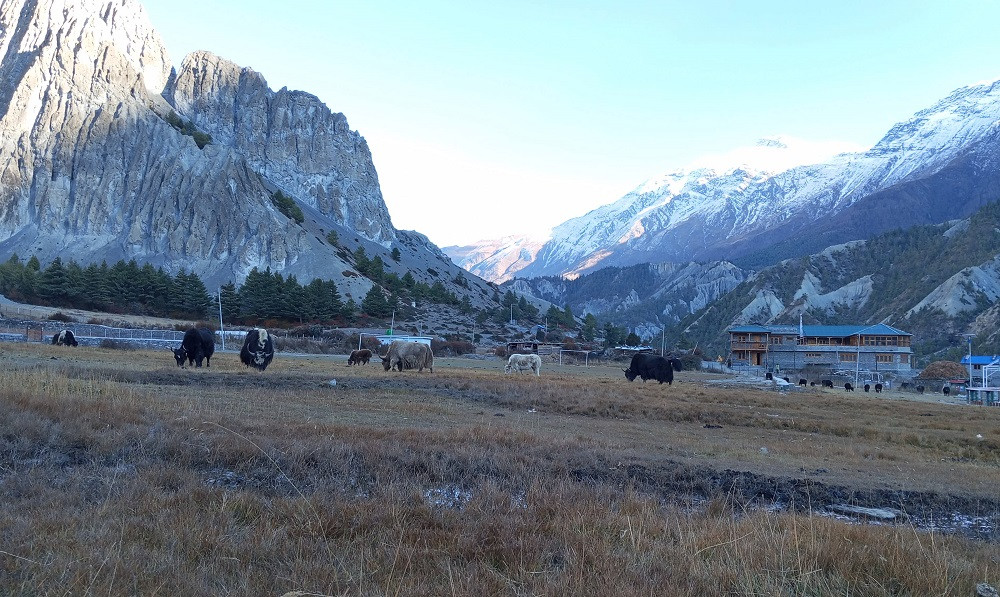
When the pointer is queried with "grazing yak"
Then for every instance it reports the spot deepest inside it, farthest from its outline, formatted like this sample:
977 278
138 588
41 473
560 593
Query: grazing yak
878 388
408 355
64 337
849 387
359 357
524 362
258 349
196 346
650 366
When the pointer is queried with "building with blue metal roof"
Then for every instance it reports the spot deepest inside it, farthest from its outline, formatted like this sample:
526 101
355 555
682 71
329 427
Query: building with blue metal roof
877 347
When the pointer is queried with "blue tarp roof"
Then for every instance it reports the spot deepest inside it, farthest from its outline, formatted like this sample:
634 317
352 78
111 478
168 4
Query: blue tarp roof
828 331
976 360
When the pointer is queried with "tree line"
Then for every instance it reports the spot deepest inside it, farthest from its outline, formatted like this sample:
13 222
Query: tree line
127 287
124 287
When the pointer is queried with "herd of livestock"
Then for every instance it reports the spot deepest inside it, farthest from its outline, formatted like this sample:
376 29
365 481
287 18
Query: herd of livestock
198 345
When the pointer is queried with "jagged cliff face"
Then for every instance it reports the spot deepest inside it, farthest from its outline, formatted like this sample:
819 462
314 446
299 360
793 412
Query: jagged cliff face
90 169
290 137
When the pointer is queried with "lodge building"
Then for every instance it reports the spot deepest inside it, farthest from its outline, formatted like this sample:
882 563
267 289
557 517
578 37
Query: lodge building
878 347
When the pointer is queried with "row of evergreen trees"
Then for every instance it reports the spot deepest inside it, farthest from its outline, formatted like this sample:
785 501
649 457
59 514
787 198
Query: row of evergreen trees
127 287
124 287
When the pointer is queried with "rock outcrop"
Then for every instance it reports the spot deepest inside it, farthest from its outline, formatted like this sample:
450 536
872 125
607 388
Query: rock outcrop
94 165
290 137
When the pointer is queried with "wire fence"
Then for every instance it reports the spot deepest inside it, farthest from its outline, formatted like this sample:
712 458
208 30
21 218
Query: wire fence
24 330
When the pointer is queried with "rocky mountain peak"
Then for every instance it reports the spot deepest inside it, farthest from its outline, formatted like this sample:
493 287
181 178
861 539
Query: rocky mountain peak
106 153
332 172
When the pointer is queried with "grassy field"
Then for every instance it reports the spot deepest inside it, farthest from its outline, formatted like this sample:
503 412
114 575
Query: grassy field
121 474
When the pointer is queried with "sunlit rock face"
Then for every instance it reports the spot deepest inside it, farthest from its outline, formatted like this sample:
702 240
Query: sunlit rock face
91 167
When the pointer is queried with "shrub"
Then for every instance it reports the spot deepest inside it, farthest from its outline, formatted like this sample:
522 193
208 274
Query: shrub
115 344
60 316
452 347
691 362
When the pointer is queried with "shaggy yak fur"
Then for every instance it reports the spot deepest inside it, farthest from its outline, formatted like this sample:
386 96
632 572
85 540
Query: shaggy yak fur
524 362
649 366
408 355
197 345
360 357
64 337
258 349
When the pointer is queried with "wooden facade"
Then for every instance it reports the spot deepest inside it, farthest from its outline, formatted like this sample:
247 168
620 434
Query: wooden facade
876 347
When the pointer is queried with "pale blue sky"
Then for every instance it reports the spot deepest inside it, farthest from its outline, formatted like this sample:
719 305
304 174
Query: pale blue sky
525 114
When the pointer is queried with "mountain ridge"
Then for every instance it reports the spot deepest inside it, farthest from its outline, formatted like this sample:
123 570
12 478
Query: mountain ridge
732 213
95 165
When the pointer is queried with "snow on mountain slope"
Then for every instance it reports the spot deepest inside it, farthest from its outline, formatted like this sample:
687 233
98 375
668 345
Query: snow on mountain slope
723 206
495 260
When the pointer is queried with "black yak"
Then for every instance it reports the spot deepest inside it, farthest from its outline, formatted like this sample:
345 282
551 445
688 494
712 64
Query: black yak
258 349
651 366
407 355
359 357
878 388
849 387
64 337
197 345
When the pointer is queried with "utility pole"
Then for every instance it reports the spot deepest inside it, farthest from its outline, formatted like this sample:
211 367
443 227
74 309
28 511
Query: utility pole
968 337
222 329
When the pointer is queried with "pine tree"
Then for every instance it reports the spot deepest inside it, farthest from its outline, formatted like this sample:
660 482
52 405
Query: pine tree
230 301
375 303
52 283
589 327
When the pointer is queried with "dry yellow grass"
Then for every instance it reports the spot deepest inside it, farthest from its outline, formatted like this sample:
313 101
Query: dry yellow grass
122 474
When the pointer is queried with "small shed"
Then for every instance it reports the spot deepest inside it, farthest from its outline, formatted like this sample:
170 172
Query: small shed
532 347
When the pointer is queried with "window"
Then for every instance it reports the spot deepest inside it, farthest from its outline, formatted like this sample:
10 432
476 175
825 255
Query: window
775 339
814 355
883 358
904 358
849 357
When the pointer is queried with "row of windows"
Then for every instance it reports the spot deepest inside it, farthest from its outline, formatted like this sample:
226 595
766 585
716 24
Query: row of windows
852 357
820 341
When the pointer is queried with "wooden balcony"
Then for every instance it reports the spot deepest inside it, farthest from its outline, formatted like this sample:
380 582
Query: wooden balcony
756 346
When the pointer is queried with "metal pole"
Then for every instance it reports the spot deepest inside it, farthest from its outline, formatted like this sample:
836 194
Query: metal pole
857 363
969 338
222 328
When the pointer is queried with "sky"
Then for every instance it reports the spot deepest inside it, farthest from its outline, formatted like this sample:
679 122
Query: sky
489 119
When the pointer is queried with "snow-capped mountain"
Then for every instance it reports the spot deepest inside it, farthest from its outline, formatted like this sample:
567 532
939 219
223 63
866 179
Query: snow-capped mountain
782 199
497 260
